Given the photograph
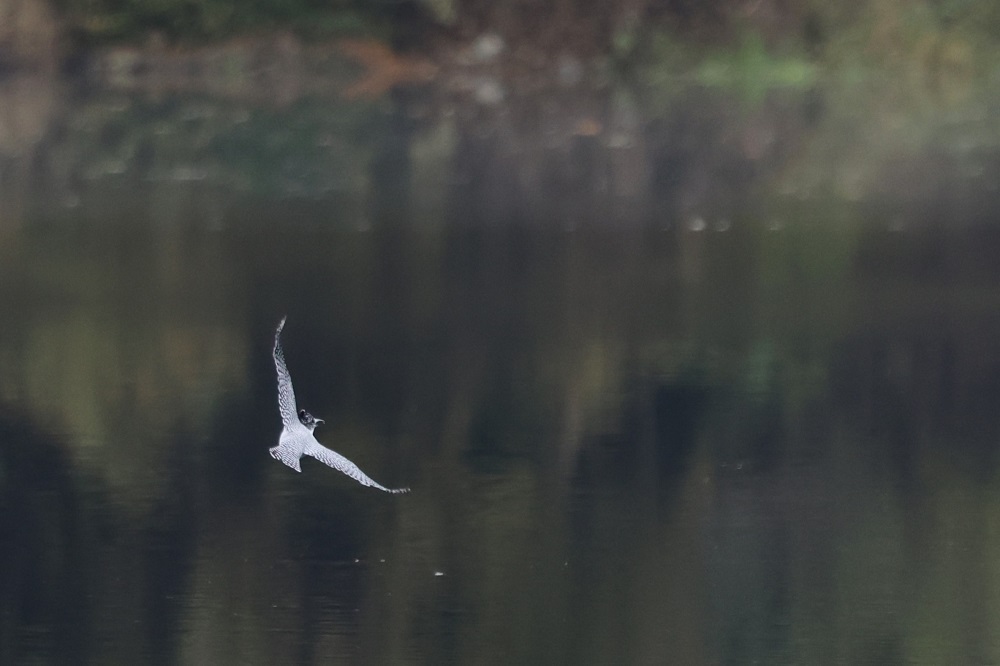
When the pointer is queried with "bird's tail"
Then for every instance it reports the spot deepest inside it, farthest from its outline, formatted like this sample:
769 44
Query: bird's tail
285 455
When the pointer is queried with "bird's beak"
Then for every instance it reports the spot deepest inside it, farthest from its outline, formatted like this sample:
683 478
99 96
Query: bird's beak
319 420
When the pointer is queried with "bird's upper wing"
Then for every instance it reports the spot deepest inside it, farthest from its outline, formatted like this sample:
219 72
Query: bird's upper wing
286 396
337 461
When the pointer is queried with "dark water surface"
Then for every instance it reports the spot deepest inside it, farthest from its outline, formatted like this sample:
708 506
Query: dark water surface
698 380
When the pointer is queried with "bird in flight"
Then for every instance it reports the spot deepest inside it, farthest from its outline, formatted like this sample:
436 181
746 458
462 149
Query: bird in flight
297 437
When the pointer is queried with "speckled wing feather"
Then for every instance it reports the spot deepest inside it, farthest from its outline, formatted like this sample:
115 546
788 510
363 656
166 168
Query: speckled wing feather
286 397
339 462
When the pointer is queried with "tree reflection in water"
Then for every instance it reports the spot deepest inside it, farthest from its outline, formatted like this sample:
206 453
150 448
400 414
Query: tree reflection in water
632 438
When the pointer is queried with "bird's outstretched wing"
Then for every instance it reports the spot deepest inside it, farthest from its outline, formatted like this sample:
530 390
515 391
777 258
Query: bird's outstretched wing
286 397
339 462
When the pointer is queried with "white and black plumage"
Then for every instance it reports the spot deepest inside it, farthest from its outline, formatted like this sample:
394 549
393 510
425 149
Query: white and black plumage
297 437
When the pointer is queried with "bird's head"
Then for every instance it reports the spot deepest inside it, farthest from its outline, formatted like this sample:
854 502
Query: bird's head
308 420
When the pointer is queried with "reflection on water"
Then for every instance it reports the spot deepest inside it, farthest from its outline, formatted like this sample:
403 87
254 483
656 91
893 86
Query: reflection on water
703 383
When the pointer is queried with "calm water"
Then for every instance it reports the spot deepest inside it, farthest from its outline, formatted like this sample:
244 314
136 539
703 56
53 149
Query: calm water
702 380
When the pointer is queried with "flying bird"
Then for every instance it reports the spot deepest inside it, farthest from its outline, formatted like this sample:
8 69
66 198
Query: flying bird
297 437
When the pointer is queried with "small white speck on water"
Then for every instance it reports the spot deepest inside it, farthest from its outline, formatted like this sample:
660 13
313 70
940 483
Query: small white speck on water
438 573
382 560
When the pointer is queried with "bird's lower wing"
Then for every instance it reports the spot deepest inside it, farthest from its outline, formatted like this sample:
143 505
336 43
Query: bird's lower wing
339 462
